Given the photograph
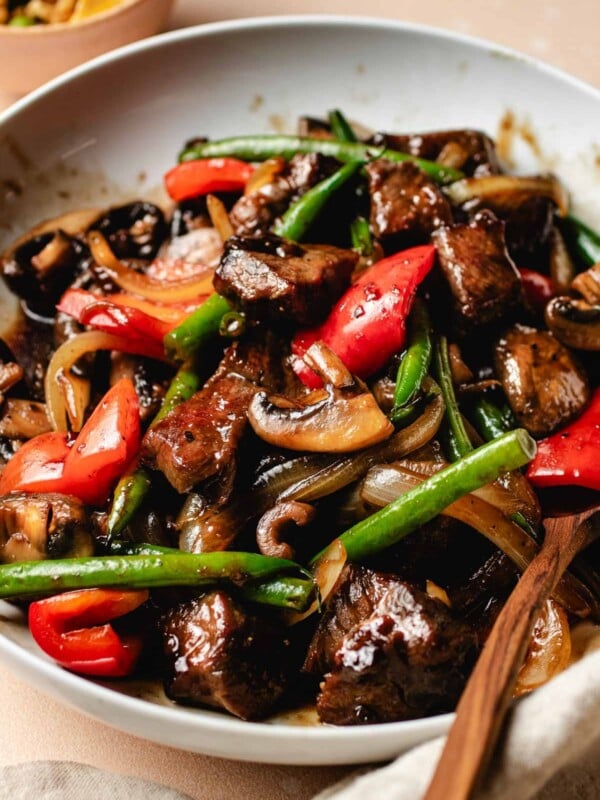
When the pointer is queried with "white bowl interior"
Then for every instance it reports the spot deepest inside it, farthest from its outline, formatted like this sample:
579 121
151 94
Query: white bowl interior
110 130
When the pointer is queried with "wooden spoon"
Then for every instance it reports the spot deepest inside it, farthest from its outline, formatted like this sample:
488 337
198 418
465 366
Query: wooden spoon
488 693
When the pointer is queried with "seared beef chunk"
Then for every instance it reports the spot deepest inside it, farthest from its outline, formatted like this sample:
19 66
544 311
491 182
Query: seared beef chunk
545 386
408 658
135 230
199 438
254 213
479 152
217 654
529 227
483 280
405 203
273 279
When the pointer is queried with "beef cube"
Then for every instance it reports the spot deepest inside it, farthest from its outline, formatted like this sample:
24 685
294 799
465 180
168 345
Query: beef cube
544 384
479 152
219 655
405 203
254 214
394 654
482 278
199 438
272 279
353 600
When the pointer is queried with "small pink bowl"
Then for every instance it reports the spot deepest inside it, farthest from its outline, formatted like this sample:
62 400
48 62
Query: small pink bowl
31 56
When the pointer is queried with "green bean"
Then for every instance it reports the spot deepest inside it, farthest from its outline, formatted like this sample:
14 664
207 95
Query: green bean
186 383
184 341
414 365
437 492
21 21
132 489
453 415
281 592
233 324
300 215
488 419
340 127
584 241
360 232
130 492
259 148
142 571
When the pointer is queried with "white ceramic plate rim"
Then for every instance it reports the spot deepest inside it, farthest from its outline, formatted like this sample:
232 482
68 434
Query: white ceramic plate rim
221 735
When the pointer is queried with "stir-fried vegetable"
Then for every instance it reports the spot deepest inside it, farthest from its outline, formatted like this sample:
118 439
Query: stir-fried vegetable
570 457
205 176
414 364
200 327
88 467
133 488
404 515
259 148
74 629
460 438
300 216
143 571
367 326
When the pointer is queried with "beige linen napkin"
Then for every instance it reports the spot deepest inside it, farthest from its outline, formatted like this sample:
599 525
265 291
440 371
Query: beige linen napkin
551 752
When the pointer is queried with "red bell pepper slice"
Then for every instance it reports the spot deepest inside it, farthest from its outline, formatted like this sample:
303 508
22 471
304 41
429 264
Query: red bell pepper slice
37 466
106 444
539 289
68 627
143 331
571 457
207 175
90 467
368 324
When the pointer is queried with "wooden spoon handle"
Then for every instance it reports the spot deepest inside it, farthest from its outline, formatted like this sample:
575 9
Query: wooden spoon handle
487 696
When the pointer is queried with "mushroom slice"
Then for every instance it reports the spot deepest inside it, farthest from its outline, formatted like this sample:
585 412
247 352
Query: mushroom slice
574 322
10 374
588 284
23 419
276 522
34 527
341 417
503 191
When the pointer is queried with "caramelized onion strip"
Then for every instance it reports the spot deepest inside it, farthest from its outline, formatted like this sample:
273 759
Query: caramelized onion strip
181 291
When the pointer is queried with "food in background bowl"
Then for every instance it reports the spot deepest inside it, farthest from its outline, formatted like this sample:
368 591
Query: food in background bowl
17 14
325 371
41 39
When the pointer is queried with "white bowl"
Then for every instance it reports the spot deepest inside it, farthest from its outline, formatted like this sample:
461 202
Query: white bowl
110 129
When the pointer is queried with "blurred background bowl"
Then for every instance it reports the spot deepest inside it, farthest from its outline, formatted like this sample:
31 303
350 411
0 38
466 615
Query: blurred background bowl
31 56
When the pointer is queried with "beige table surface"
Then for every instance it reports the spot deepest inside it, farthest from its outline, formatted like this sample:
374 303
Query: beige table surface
562 32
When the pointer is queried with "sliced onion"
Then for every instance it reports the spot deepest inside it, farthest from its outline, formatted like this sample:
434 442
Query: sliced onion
511 493
59 370
343 471
137 283
383 484
326 571
264 174
76 393
492 188
219 217
562 269
549 650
